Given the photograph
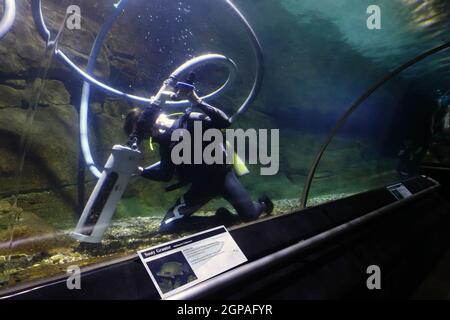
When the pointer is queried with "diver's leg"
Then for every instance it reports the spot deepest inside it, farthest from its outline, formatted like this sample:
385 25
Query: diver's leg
186 206
237 195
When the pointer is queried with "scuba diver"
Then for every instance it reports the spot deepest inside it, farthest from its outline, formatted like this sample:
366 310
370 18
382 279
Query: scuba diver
206 181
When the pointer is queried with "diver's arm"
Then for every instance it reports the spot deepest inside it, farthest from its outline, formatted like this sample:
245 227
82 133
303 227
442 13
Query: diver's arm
218 118
163 172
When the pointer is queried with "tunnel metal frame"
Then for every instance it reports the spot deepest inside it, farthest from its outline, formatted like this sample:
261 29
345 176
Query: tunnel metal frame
45 34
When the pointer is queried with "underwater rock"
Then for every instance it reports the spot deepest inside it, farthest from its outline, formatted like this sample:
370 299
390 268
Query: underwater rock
19 58
124 237
255 119
20 257
96 108
171 270
22 58
57 206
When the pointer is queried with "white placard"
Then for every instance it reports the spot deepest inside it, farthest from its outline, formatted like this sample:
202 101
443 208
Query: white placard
181 264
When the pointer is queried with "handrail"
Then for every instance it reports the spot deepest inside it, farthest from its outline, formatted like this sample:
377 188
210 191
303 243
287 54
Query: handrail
340 123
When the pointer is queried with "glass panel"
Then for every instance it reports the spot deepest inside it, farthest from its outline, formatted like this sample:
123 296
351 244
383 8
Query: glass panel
144 46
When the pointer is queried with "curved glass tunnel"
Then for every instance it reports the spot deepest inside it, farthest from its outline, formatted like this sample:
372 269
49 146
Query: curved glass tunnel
319 58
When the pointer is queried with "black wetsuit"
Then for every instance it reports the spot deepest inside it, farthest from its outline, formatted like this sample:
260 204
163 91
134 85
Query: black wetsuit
207 181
